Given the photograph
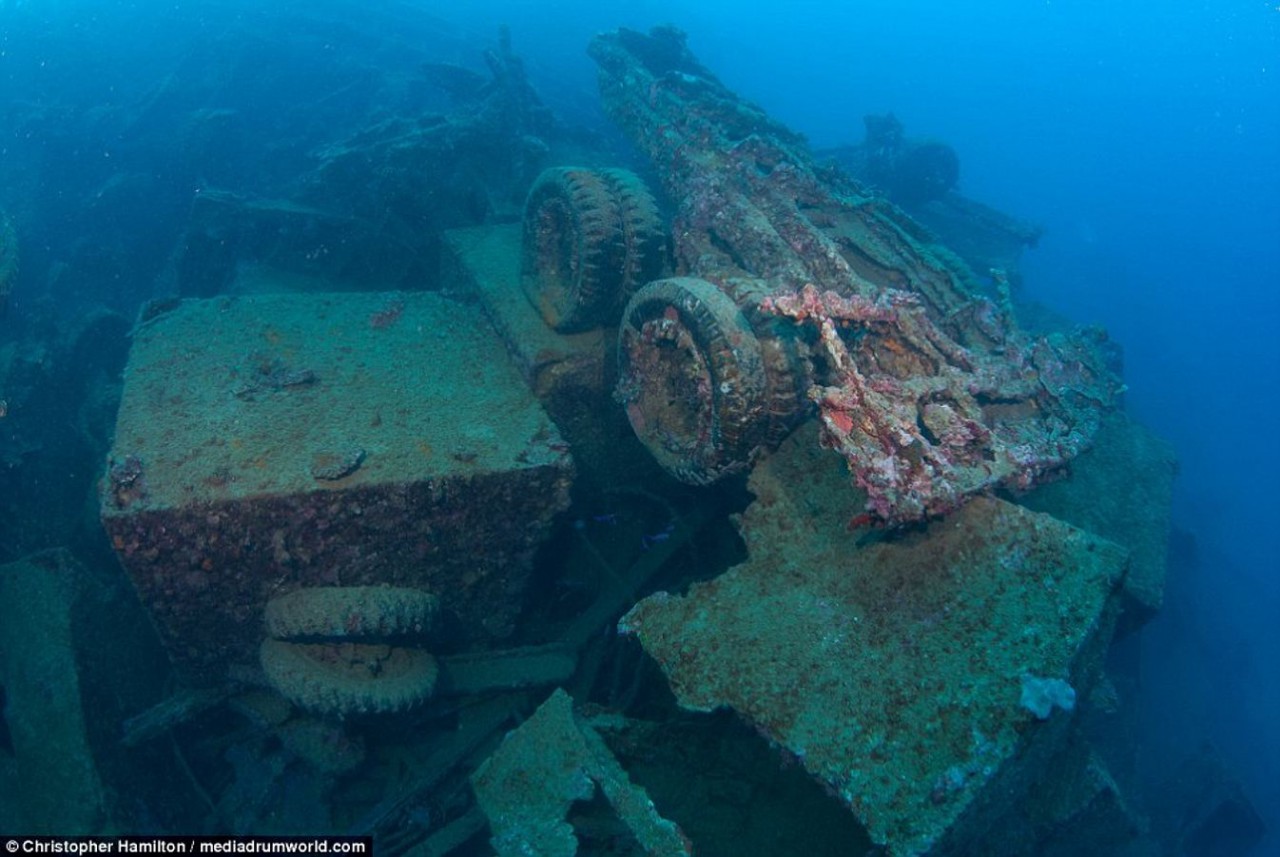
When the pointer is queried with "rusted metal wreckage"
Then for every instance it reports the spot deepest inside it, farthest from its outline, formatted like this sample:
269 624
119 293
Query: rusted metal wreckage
910 677
797 289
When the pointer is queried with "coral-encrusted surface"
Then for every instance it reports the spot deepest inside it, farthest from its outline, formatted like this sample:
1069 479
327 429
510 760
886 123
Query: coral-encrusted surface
1122 489
279 441
893 670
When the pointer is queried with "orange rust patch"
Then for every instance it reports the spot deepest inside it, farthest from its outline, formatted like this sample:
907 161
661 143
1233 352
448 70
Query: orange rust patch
839 421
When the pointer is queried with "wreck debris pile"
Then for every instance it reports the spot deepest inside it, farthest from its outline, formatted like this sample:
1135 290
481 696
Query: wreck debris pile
364 480
215 501
964 398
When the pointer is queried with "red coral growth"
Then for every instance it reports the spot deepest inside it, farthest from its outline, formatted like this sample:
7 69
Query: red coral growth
923 379
922 444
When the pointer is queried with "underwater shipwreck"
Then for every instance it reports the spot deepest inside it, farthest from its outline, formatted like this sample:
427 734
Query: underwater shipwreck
718 497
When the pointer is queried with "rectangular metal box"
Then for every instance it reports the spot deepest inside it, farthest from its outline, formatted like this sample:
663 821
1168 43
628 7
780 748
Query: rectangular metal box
272 442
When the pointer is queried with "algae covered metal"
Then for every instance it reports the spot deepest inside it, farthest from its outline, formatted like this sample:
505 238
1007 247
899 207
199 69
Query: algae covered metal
801 290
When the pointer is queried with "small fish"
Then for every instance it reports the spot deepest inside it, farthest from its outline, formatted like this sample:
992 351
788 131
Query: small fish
646 540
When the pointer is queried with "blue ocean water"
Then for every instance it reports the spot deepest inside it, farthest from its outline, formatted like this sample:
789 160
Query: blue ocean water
1143 137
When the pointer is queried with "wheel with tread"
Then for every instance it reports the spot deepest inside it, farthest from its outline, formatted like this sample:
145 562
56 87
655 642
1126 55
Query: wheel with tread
590 239
339 679
343 650
692 378
572 247
351 613
644 236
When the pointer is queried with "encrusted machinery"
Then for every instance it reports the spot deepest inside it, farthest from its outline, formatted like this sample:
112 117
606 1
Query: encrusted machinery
802 290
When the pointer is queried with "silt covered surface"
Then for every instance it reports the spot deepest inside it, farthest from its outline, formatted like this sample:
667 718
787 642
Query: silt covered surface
1122 489
272 442
893 670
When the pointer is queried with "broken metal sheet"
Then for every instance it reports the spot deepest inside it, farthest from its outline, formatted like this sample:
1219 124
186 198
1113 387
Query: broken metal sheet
546 765
894 671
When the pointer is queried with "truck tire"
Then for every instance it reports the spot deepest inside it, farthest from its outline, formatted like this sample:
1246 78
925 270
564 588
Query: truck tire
692 379
590 239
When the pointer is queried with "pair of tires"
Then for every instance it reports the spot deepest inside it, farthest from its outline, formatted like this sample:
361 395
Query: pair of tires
704 381
340 651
